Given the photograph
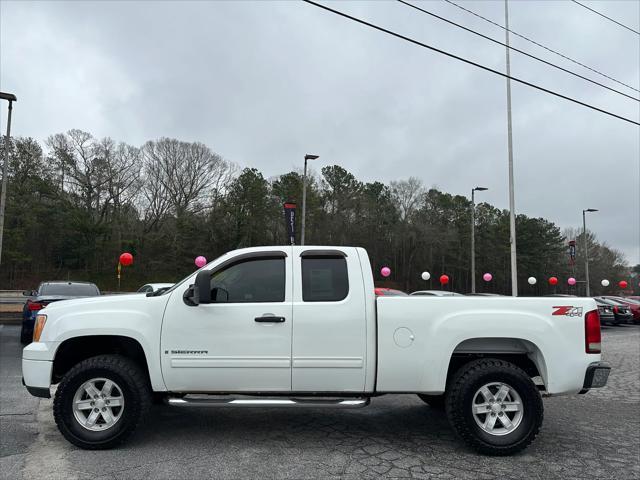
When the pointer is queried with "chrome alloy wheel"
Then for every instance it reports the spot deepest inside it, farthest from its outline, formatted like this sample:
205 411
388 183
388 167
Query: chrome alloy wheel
98 404
497 408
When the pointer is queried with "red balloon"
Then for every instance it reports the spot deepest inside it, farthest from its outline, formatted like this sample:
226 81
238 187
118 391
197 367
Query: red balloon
126 259
444 279
622 284
553 281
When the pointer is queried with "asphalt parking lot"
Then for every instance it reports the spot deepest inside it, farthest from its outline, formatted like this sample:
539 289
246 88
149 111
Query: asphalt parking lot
593 436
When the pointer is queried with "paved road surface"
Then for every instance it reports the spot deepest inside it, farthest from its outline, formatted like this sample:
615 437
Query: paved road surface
593 436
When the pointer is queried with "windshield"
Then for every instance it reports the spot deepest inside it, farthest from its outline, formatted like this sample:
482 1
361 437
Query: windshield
164 291
69 289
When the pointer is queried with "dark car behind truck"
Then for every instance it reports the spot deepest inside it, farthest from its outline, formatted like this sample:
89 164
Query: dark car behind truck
47 293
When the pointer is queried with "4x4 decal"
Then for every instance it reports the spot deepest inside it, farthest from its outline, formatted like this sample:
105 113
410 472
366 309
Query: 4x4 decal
567 311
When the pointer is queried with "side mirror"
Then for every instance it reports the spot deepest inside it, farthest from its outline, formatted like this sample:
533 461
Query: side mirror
28 293
202 287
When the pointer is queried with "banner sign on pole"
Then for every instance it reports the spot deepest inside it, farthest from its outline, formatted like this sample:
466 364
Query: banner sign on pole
290 221
572 252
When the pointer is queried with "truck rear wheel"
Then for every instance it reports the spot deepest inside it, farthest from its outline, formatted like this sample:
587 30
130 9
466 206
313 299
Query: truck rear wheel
101 401
494 406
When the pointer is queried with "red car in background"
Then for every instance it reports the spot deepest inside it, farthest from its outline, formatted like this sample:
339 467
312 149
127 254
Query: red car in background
634 305
389 292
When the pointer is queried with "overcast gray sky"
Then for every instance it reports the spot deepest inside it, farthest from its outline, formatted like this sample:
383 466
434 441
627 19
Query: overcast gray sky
263 83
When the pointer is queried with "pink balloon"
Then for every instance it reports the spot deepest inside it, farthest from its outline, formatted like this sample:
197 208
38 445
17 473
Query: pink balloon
385 271
487 277
200 261
571 281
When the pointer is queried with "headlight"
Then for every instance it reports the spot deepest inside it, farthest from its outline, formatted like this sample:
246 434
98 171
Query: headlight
39 326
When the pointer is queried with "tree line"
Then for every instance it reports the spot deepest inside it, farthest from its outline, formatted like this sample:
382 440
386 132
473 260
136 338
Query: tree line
76 202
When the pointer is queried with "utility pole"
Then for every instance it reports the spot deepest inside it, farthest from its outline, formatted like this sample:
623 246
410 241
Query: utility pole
512 203
5 168
473 236
304 195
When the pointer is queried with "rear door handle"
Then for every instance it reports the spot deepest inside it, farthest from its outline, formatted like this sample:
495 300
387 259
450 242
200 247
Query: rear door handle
269 319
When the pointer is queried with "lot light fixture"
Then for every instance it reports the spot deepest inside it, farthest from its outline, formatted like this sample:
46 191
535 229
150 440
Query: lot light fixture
586 249
10 97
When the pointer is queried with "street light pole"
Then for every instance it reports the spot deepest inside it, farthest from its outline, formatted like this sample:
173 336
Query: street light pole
512 203
304 195
5 168
586 249
473 236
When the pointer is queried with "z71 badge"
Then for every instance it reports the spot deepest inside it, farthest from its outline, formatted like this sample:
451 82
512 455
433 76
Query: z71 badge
568 311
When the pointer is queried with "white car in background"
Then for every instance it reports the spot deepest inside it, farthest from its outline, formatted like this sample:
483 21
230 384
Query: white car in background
154 287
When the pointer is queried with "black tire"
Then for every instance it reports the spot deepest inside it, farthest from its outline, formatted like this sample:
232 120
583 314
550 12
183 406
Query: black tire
26 336
135 389
434 401
460 398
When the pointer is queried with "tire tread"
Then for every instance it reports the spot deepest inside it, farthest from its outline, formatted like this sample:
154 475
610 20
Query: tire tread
466 375
124 366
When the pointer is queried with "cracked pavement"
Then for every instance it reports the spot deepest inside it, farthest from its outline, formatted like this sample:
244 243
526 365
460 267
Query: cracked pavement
592 436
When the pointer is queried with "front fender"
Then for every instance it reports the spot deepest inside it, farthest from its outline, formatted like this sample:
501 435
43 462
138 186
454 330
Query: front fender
123 318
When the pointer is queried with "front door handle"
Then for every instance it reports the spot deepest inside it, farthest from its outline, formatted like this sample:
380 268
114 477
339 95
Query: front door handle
269 319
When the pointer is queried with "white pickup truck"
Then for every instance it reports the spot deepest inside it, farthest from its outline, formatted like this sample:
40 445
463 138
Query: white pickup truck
300 326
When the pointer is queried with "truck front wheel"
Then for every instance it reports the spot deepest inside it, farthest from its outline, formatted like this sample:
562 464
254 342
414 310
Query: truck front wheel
494 406
101 401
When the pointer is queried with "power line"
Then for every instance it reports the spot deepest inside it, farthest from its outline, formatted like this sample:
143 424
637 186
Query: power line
517 50
424 45
541 46
604 16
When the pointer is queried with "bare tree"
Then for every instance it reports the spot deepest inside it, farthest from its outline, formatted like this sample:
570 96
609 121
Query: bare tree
82 160
180 177
408 194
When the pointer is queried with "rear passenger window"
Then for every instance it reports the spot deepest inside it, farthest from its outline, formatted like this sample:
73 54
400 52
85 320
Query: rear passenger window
324 279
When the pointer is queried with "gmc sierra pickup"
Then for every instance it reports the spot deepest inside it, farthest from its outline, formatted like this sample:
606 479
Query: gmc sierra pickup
298 326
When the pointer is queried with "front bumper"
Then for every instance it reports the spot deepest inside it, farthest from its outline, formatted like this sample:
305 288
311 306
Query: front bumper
596 376
37 367
37 391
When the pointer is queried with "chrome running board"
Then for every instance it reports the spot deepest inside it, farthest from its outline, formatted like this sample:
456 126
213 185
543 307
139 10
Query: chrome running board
213 401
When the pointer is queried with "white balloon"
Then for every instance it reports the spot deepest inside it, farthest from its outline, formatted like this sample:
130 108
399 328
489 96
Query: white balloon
604 283
532 280
426 276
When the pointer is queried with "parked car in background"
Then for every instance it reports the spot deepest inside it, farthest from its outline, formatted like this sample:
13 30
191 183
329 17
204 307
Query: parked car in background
437 293
634 305
154 287
606 313
621 311
483 295
47 293
389 292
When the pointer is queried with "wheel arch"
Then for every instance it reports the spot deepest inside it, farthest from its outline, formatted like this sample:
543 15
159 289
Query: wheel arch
519 351
76 349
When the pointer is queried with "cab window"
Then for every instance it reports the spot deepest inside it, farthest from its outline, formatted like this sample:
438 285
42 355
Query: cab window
254 280
324 279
